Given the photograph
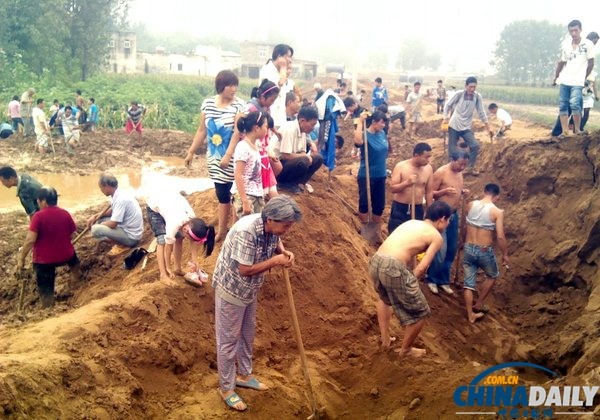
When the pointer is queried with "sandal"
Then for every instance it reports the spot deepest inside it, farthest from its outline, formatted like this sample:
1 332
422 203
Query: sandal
252 383
232 400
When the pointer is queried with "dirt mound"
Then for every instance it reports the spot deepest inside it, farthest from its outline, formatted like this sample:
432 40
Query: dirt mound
99 151
127 346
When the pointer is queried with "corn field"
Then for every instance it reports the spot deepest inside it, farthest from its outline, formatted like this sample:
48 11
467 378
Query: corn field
171 101
519 95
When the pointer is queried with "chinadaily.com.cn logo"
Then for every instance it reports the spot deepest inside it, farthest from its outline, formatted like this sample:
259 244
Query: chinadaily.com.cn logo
510 400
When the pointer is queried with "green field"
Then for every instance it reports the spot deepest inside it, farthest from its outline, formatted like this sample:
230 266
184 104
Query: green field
172 102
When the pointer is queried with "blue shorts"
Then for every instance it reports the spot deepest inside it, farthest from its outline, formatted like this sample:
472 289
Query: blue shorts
476 257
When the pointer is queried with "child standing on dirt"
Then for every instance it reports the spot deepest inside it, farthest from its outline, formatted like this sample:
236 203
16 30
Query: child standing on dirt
93 118
398 286
262 99
248 175
172 219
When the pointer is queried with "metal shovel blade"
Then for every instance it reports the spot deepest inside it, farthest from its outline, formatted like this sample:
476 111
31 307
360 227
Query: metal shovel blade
371 232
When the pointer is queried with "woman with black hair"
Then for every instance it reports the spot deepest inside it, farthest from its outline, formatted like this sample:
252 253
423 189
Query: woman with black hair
49 235
276 70
217 125
172 219
378 151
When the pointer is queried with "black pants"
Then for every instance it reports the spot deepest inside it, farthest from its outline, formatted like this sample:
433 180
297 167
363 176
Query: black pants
401 213
45 275
299 170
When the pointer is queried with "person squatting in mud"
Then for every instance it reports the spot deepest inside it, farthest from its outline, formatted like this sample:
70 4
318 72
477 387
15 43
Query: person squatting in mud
252 247
172 219
398 286
483 219
122 223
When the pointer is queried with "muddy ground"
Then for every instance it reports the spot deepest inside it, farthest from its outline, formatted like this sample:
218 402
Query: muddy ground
127 346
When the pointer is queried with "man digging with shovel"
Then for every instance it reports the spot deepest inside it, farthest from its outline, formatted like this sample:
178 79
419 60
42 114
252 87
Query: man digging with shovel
252 247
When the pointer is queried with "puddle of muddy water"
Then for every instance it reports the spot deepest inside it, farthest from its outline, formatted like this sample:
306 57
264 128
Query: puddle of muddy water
77 192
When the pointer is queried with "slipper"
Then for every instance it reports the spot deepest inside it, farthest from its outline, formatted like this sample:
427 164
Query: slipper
309 188
232 400
483 310
253 383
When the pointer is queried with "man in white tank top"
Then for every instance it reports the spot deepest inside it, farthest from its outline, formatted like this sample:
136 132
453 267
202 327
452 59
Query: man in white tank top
483 219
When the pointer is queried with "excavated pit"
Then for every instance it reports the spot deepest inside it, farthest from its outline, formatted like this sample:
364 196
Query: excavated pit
126 346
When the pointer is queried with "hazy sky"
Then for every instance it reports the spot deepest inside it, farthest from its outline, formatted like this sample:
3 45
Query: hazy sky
463 31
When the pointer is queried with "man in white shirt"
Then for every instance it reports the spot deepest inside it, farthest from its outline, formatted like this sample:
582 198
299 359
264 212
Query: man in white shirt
414 101
40 125
123 222
298 164
575 65
503 117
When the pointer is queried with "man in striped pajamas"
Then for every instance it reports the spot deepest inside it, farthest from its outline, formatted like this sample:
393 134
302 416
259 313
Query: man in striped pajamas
252 246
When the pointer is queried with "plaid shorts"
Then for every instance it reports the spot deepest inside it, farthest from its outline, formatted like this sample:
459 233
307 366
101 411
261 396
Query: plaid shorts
398 287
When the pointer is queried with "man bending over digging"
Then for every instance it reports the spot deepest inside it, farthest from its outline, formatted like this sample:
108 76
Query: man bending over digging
396 285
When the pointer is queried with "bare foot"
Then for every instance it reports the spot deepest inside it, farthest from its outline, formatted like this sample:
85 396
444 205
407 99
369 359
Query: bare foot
168 280
389 342
178 272
413 352
473 317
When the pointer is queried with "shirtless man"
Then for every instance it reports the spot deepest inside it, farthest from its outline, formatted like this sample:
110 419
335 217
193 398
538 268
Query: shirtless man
483 218
411 173
448 186
398 287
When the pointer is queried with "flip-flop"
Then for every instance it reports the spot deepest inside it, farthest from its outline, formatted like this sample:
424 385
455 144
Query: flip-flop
252 383
232 400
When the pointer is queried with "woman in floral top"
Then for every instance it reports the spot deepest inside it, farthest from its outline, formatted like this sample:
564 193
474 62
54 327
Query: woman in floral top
217 124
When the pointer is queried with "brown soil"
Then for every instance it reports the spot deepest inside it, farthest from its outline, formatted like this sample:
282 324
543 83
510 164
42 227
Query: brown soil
127 346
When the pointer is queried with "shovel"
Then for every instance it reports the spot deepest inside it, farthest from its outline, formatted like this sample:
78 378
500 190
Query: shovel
317 413
462 217
151 249
78 237
370 230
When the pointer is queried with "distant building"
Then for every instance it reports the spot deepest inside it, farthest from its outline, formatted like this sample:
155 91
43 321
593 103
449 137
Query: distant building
122 52
254 55
204 61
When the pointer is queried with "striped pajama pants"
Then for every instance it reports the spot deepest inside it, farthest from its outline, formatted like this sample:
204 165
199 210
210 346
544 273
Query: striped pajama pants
235 329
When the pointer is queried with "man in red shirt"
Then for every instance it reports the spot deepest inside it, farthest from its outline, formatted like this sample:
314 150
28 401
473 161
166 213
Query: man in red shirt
49 235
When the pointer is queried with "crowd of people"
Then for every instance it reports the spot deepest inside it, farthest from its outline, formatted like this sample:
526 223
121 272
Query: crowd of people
271 144
29 117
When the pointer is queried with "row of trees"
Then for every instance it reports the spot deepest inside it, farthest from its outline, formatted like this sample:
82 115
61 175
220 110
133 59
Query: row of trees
63 37
527 51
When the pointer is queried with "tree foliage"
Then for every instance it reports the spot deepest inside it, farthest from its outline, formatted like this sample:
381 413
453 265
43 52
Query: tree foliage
62 37
414 55
527 51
